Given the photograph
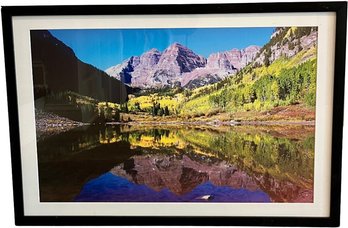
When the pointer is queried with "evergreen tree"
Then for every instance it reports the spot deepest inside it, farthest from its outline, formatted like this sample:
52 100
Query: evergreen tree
153 109
166 111
101 118
267 56
137 106
160 112
116 116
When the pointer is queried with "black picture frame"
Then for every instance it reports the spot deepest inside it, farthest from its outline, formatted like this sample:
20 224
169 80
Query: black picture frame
340 8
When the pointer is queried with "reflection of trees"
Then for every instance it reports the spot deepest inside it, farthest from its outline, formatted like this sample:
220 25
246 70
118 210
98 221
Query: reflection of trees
153 138
109 134
125 137
259 151
280 156
280 166
158 133
137 135
72 142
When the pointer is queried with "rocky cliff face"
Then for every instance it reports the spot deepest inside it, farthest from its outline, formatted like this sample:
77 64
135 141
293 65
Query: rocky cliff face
179 59
219 66
287 42
123 70
249 54
179 64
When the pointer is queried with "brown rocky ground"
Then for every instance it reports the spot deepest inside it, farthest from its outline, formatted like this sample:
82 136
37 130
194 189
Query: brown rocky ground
281 113
49 124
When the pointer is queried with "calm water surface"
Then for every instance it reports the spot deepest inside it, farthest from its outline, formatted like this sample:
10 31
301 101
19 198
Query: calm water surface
186 163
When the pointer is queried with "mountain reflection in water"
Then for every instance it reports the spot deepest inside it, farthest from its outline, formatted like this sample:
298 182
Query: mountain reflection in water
109 187
169 164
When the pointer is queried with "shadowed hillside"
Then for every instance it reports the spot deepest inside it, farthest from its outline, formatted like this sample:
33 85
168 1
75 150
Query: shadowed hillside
56 69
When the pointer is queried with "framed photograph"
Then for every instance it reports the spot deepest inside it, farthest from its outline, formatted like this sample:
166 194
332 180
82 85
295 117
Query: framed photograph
217 114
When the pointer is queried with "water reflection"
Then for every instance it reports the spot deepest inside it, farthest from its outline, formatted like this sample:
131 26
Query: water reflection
112 188
143 163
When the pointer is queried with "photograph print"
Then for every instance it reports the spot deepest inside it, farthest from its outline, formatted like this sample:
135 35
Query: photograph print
175 114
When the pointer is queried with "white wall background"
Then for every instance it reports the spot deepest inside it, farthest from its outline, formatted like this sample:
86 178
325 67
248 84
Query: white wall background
6 197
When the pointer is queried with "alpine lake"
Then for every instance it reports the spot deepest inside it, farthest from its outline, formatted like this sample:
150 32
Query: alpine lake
178 163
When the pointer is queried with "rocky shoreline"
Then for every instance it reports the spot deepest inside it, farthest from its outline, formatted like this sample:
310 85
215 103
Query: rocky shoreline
49 124
215 123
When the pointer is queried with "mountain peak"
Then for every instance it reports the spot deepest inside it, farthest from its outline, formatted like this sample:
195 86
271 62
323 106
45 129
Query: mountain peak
153 50
176 45
178 63
252 47
177 59
150 53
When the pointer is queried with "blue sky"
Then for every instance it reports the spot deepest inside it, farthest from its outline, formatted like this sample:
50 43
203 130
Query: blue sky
107 47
